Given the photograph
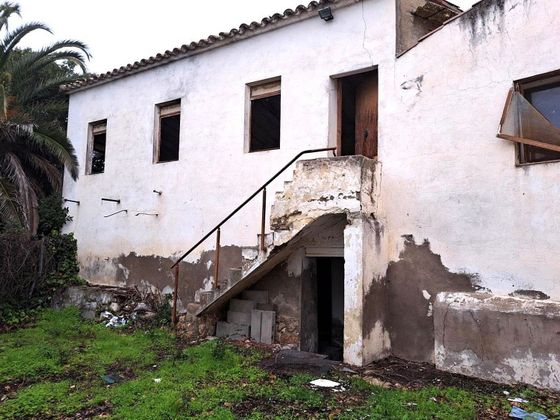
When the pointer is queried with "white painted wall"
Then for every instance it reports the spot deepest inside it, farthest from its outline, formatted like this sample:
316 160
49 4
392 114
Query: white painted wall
446 177
213 174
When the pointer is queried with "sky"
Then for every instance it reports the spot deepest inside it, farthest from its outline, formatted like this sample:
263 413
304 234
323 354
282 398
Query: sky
119 32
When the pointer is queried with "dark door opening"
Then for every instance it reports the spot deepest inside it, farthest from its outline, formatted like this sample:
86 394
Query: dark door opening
330 307
357 114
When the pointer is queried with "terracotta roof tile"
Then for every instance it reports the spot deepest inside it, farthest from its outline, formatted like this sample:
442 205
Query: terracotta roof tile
177 53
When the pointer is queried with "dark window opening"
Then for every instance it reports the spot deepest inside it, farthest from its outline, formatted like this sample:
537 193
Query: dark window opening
546 99
97 145
358 114
330 307
169 132
98 154
265 117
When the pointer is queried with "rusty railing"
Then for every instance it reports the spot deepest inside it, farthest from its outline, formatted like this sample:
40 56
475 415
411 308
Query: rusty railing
217 228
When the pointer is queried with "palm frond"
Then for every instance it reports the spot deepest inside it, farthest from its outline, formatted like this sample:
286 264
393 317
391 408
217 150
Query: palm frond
27 197
12 39
7 9
55 142
9 207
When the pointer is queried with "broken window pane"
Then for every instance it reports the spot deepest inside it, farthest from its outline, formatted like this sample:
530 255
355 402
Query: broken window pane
526 124
546 100
97 147
265 117
169 131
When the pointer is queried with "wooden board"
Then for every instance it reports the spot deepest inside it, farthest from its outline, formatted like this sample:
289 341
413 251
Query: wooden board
366 116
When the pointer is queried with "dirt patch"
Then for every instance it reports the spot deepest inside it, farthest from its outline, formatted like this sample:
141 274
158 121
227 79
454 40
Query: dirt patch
97 411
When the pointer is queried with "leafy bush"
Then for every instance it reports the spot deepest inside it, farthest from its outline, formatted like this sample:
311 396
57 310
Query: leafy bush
52 215
35 269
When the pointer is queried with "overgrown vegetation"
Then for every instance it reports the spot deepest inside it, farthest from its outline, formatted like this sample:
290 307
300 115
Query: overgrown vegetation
34 148
34 269
66 367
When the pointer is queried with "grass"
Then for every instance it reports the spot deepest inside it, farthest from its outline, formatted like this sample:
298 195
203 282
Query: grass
55 369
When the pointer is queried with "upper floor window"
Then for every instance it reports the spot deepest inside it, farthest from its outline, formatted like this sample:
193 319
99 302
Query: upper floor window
97 140
264 116
532 118
167 133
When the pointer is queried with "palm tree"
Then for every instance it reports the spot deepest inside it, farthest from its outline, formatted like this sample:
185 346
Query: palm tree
34 148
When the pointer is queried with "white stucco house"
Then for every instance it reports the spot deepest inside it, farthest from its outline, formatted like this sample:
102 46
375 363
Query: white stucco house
422 220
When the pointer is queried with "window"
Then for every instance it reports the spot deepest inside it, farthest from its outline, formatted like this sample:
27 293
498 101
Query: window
264 116
532 118
169 125
96 147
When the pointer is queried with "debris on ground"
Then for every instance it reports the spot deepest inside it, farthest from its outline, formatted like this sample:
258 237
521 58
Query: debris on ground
324 383
519 413
114 321
518 400
109 379
293 361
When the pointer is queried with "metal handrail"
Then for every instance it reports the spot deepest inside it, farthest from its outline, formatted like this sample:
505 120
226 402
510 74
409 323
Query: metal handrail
229 216
175 266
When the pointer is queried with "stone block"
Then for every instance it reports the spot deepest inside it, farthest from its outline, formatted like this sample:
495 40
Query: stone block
231 330
259 296
242 305
242 318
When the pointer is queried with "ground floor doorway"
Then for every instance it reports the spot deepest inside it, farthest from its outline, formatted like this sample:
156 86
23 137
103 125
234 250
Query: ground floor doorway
322 323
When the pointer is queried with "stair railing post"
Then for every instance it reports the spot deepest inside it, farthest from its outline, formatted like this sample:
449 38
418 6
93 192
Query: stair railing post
217 262
263 219
175 292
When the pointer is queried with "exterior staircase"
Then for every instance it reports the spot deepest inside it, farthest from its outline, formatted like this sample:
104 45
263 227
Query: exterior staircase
321 191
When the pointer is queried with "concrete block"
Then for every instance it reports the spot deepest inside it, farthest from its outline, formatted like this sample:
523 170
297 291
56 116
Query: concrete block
231 330
498 338
265 306
268 325
259 296
242 305
256 319
242 318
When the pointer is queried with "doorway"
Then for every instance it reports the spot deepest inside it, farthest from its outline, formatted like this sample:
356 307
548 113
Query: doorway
330 306
357 114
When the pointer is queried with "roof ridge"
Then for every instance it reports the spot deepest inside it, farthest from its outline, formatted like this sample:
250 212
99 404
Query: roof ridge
185 49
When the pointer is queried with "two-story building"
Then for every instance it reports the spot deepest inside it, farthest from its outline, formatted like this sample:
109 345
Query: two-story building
421 222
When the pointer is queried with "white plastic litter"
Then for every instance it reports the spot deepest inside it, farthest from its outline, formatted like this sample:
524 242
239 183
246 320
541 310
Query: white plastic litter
157 380
518 400
114 321
324 383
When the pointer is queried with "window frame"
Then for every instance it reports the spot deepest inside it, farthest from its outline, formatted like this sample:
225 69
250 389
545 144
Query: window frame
522 86
91 142
165 110
261 90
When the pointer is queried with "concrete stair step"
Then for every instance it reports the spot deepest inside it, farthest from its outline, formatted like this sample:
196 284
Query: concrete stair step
207 297
265 306
259 296
268 239
235 275
242 305
241 318
232 330
249 253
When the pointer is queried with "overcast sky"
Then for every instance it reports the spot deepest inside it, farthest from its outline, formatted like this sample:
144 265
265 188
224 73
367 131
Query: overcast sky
119 32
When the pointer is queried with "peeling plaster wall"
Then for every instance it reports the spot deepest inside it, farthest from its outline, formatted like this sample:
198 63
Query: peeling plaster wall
214 174
446 177
503 339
